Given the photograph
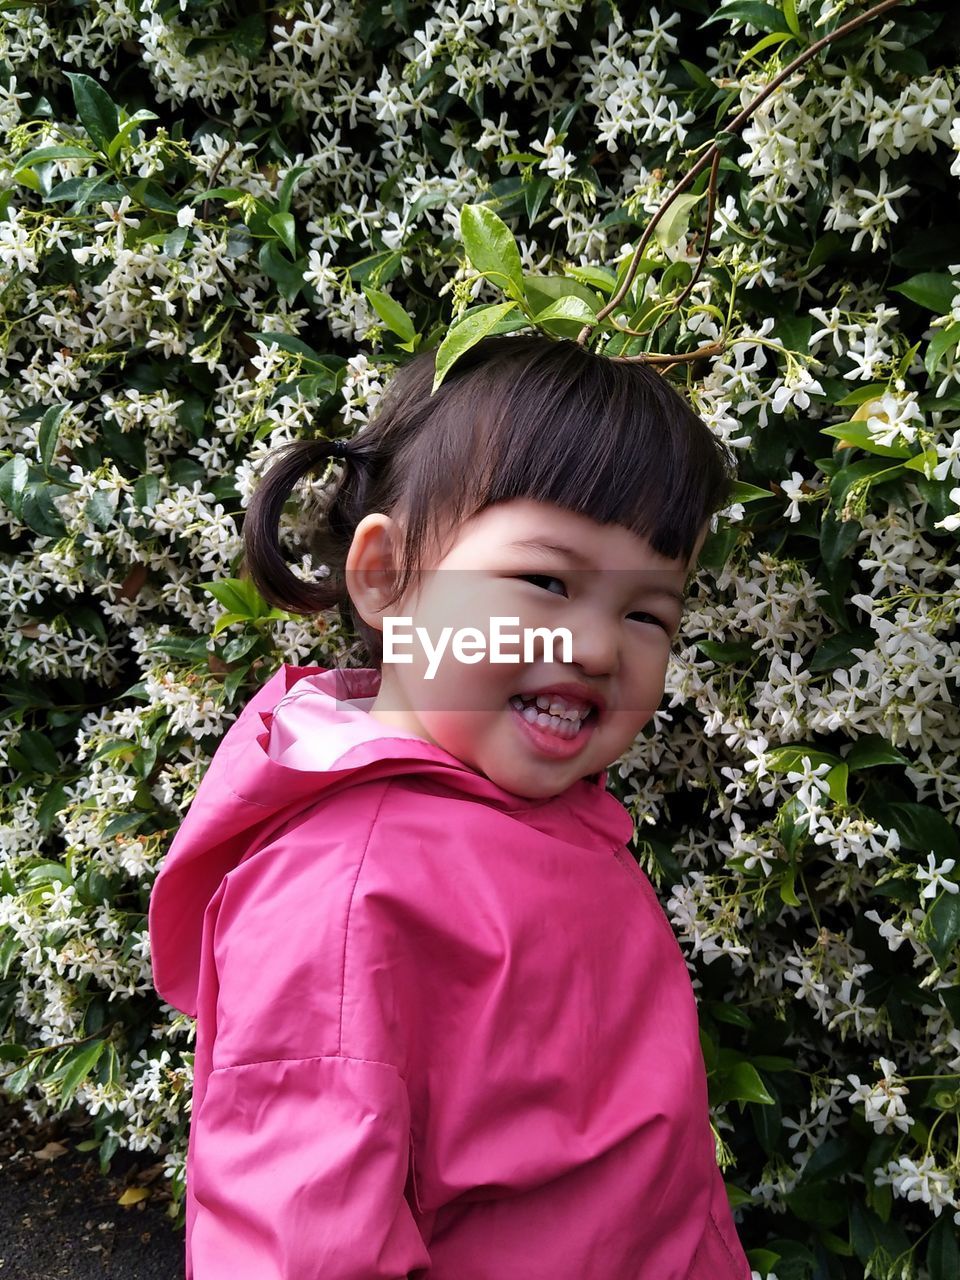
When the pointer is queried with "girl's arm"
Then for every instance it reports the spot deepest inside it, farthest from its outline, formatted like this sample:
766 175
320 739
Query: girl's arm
300 1137
298 1171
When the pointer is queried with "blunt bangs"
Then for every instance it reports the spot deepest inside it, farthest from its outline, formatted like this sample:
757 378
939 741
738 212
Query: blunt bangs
530 417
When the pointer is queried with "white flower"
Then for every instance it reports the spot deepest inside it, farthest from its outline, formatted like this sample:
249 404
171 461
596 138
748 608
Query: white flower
558 163
951 522
935 875
884 1107
891 417
796 389
116 217
793 488
918 1181
186 215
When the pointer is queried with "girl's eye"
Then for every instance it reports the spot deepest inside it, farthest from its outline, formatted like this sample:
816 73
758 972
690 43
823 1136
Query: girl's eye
544 577
650 617
540 577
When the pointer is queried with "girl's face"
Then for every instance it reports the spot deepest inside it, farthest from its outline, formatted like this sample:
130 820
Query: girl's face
620 601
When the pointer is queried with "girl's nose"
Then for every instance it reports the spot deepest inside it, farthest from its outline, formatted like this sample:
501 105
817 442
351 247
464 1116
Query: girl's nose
596 643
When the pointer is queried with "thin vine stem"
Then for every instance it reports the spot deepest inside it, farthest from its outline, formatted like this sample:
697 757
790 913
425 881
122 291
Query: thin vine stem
712 157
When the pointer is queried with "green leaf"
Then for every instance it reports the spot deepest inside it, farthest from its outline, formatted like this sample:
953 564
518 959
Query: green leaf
287 186
239 596
96 109
288 275
174 241
836 781
13 482
101 508
943 1250
9 949
471 330
36 749
763 1260
723 1011
787 887
227 620
774 39
45 873
858 434
598 278
249 36
491 248
945 924
568 308
17 1082
673 225
743 492
391 313
297 347
742 1084
762 16
771 1062
868 1233
726 650
534 195
83 191
789 758
123 821
146 492
924 462
921 828
837 541
790 15
859 395
27 178
945 341
239 647
697 75
872 750
77 1067
128 128
286 228
49 432
856 472
931 289
42 155
53 802
828 1160
39 512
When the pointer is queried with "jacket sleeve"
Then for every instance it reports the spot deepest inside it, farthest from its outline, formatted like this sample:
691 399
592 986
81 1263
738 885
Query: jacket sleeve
298 1170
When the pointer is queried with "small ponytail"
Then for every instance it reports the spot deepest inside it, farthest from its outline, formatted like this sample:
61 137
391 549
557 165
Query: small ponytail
263 559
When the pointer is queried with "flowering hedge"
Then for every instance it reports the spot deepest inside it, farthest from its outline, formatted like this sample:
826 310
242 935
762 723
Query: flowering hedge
221 226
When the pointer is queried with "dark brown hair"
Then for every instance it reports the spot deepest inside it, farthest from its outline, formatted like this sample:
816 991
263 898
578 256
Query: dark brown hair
518 416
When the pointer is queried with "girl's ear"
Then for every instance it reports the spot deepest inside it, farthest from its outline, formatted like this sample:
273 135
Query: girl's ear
371 567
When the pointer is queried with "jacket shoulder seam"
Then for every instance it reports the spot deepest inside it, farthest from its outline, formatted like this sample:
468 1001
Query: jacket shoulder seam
346 926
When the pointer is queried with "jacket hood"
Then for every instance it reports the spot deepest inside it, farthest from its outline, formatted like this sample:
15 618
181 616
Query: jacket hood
251 788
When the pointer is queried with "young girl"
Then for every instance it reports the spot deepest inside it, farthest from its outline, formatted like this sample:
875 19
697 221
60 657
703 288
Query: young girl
444 1028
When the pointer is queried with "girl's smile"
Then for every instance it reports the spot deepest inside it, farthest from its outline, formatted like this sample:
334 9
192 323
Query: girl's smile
551 569
558 736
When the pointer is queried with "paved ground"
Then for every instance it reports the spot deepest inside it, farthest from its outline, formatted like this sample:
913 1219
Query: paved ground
59 1216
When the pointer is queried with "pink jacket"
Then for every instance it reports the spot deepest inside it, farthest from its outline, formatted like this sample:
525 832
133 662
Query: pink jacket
442 1030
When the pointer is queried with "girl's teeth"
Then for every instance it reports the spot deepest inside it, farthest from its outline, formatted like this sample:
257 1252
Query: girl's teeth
555 708
566 725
